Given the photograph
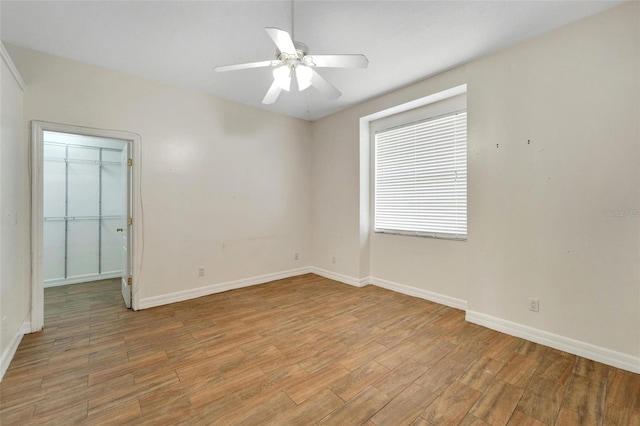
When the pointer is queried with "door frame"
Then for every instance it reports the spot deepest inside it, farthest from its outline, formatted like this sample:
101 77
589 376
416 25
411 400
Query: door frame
135 232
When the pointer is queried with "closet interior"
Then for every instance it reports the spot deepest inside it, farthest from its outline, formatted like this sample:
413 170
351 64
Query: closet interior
83 207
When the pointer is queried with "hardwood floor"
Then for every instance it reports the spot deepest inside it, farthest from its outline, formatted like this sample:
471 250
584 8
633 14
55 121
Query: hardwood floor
299 351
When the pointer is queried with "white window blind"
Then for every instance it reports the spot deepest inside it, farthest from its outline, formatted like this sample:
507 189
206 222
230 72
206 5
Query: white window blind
421 178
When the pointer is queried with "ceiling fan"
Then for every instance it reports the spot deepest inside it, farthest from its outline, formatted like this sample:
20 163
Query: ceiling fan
293 60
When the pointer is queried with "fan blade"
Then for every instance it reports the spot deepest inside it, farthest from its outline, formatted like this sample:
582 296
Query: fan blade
282 39
272 94
248 65
338 61
324 86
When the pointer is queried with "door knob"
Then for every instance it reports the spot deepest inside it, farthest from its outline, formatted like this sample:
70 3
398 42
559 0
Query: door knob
119 229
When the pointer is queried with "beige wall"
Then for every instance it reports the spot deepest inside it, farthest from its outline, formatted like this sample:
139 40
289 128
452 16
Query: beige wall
335 196
224 186
14 217
538 223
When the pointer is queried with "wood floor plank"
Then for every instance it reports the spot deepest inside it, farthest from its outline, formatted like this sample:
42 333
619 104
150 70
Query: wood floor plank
586 397
452 405
481 373
615 415
361 354
624 389
307 387
165 400
12 387
324 356
556 365
18 416
399 378
542 399
405 407
439 376
124 368
358 410
128 413
203 369
317 407
420 422
433 352
398 354
519 418
66 381
346 387
273 381
219 387
126 394
591 369
497 404
20 400
471 420
518 370
468 351
569 417
301 350
58 402
71 413
263 414
208 413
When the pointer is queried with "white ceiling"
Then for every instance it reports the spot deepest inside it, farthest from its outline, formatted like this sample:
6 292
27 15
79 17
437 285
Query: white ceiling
180 42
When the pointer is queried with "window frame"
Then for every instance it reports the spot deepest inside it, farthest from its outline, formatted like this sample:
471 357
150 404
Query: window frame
417 118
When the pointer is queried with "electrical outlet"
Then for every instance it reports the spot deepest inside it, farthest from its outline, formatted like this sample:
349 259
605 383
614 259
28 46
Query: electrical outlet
333 259
534 304
296 256
201 272
4 326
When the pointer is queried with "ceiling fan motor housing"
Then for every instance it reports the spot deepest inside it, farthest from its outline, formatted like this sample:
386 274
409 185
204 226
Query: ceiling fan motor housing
301 51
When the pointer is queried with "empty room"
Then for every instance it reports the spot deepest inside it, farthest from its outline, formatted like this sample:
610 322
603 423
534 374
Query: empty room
320 212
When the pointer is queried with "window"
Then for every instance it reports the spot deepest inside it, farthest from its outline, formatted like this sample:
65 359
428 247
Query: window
421 178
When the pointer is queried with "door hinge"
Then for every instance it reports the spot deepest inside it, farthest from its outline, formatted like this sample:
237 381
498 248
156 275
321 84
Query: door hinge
130 221
129 281
130 162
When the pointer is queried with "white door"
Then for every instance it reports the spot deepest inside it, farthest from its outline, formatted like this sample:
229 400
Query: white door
125 227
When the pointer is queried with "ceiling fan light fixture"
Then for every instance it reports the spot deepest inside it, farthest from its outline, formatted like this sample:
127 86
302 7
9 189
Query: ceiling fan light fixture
303 76
282 77
291 57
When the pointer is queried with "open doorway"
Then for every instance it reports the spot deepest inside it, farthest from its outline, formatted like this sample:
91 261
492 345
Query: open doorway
82 210
84 194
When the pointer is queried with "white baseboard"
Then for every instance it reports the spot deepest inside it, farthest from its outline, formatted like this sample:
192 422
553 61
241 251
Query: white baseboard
10 350
393 286
180 296
576 347
82 279
422 294
586 350
345 279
